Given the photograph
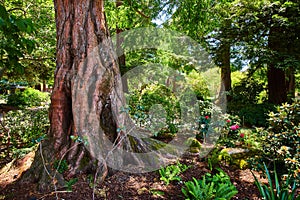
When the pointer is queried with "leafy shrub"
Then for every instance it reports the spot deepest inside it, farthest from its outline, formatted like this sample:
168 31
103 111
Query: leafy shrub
210 187
230 128
208 108
210 115
198 84
246 92
141 104
246 103
255 114
28 98
282 140
171 172
23 129
283 191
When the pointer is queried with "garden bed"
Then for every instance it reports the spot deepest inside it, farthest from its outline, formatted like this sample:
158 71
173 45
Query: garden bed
127 186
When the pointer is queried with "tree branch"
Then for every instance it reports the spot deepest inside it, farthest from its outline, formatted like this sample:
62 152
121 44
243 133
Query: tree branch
138 11
141 13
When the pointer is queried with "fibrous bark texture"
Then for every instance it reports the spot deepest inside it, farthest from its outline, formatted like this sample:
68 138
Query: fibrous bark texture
81 31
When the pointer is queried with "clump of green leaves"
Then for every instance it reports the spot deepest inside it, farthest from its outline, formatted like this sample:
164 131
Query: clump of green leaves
172 172
70 183
15 34
282 140
246 102
210 187
282 191
155 97
28 98
23 129
60 165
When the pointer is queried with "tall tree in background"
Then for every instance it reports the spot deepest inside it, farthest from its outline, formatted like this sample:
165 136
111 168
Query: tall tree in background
268 30
209 23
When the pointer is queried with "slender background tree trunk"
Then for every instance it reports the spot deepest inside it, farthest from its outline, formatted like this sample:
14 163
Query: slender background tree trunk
225 70
120 51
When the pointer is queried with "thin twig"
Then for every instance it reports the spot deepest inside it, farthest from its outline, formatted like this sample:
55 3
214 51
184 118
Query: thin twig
56 192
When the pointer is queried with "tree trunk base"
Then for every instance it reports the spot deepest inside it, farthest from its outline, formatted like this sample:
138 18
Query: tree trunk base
44 169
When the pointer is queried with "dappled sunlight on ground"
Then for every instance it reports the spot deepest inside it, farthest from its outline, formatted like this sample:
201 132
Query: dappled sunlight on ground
13 170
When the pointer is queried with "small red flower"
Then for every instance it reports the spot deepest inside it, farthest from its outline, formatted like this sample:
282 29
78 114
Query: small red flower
242 135
228 120
206 117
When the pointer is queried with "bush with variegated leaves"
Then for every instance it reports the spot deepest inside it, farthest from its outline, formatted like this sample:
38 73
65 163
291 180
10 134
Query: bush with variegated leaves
282 140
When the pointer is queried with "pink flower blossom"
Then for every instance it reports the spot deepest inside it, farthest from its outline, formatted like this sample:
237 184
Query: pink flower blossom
242 135
228 120
206 117
234 127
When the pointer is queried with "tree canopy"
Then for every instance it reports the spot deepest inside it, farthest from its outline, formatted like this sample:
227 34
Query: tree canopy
28 40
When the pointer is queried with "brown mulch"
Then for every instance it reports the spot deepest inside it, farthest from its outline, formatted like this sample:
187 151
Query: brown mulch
123 185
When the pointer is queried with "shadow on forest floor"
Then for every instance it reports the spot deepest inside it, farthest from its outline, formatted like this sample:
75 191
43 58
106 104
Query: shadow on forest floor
122 185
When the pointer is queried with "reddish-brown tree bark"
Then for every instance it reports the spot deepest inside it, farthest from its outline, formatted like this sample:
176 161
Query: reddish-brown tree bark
81 27
277 89
225 70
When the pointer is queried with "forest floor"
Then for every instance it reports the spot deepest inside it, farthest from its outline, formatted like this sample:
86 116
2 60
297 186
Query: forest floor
122 185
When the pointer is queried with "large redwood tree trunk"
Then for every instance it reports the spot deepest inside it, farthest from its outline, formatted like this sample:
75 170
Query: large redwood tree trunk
277 89
81 28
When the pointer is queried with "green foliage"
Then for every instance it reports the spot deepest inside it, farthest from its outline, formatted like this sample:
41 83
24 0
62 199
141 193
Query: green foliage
282 141
131 13
282 191
194 145
28 41
207 109
210 187
255 114
28 98
60 165
144 105
230 128
15 42
70 183
157 193
246 104
247 91
198 84
172 172
237 77
23 129
252 138
77 138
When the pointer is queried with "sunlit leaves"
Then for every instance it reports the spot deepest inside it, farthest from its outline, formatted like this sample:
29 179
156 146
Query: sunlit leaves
15 39
28 46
